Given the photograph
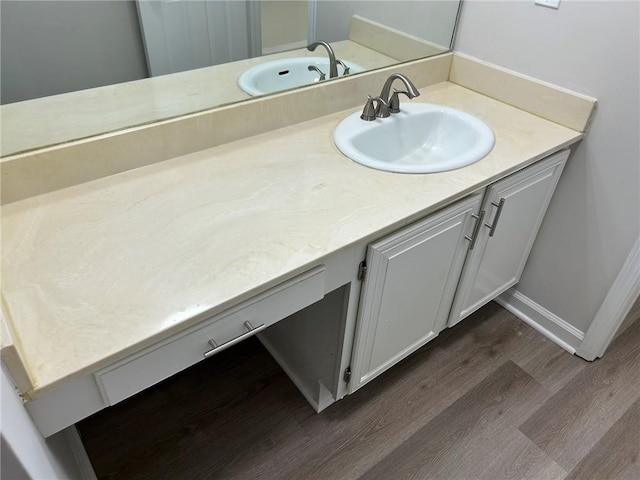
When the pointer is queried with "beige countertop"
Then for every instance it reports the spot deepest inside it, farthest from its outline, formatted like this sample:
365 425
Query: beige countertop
97 271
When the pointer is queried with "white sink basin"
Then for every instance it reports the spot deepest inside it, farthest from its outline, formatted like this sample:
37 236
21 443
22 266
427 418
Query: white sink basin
285 73
422 138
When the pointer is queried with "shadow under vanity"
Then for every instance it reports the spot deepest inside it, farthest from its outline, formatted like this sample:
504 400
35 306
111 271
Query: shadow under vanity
340 270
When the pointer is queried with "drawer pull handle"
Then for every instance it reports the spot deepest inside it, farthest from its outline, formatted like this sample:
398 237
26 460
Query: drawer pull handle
492 228
251 330
474 235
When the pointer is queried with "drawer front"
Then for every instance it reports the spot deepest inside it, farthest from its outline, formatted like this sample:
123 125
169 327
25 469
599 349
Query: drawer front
146 368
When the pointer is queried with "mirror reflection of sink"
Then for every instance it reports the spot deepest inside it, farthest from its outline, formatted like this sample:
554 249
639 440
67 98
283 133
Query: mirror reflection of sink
421 138
285 73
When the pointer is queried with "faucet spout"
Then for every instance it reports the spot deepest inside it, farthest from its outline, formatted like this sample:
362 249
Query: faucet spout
388 103
411 92
333 66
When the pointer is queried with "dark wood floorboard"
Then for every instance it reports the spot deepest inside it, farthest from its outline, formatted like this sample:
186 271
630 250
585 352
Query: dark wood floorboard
544 361
573 420
237 415
616 454
454 444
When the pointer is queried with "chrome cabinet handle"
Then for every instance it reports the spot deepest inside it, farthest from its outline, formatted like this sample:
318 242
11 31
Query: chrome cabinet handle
492 228
474 235
251 330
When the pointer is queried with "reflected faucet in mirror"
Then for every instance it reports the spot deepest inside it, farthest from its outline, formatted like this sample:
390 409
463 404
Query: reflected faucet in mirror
345 67
333 66
313 68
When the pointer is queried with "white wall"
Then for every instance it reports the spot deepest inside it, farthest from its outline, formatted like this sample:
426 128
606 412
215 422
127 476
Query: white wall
23 448
431 20
594 218
56 47
290 13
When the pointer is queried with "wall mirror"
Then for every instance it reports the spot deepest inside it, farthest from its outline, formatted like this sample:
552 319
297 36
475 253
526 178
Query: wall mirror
79 68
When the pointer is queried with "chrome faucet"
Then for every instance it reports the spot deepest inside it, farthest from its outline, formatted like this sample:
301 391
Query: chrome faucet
384 105
333 66
393 101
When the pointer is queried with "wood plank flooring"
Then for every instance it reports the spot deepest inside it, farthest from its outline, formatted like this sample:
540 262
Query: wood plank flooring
488 399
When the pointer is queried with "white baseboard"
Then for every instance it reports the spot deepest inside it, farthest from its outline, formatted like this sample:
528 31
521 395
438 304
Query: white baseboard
541 319
80 454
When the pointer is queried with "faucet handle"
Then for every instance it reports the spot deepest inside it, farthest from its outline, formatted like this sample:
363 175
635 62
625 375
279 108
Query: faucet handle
383 110
313 68
371 112
394 101
344 66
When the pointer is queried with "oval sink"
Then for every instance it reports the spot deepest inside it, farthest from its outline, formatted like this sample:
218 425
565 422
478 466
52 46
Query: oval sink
421 138
285 73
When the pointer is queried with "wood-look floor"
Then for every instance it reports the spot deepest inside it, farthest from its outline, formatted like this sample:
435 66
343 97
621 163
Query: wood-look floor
488 399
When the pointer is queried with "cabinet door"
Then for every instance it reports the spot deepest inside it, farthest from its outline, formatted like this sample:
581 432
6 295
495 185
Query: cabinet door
410 283
515 207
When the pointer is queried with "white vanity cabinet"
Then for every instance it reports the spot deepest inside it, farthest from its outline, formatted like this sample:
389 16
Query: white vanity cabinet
410 282
513 209
434 273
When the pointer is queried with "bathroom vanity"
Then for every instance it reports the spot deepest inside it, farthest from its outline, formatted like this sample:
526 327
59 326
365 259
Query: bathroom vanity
111 286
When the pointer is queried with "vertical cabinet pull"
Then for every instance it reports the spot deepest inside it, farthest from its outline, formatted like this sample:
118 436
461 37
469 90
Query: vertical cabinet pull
476 229
492 228
251 330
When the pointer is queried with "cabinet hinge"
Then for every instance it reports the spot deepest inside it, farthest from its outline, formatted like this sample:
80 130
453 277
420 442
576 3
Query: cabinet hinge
347 374
362 270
